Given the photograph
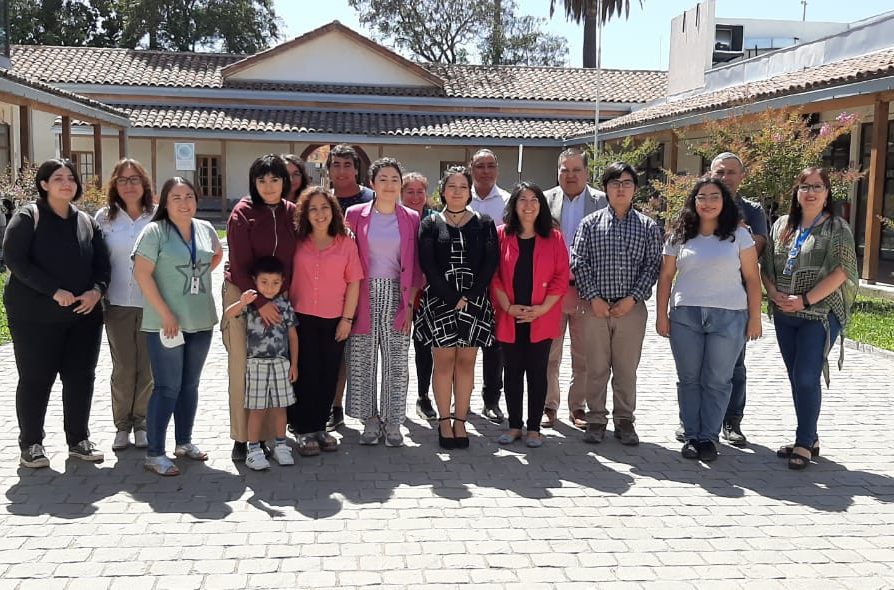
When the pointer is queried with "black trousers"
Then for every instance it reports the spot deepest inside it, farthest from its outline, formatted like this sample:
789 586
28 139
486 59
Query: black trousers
525 359
424 365
43 351
492 377
319 359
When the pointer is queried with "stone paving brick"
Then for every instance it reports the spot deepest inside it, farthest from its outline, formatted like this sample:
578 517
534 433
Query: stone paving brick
568 515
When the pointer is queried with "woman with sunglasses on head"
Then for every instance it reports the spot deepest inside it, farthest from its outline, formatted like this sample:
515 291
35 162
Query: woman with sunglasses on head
711 263
130 209
809 270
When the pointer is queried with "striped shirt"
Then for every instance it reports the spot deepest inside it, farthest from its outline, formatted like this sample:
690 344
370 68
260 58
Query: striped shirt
612 258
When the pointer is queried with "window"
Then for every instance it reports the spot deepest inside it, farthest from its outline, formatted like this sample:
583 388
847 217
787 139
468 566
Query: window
209 175
83 161
5 152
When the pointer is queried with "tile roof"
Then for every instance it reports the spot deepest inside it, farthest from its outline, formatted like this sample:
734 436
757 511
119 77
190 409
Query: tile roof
128 67
367 123
879 64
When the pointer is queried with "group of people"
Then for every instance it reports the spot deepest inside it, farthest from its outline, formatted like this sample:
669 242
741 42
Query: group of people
322 287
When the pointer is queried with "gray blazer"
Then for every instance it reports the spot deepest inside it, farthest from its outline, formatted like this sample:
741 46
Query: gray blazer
554 197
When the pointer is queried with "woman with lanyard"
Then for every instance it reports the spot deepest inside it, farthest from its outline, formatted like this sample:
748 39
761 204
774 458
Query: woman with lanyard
809 270
173 260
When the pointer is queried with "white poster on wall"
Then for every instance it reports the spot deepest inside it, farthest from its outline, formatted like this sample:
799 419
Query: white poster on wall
185 156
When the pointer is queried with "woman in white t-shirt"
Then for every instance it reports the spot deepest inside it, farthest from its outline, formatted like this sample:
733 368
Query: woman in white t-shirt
715 308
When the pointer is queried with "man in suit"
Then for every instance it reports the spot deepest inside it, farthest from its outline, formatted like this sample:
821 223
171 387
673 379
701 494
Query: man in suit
569 203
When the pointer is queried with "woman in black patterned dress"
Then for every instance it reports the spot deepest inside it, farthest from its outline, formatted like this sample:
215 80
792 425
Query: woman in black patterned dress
458 252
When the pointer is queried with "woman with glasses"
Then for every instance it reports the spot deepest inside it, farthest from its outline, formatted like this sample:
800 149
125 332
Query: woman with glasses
715 307
130 209
297 176
809 270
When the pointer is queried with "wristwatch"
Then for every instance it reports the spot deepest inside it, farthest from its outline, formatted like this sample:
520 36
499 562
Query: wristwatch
804 301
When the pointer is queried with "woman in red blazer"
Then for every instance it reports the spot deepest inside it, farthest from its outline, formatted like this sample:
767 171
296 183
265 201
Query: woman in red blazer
531 278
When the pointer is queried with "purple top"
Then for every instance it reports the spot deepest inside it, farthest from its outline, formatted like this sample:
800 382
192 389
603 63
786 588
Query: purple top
384 246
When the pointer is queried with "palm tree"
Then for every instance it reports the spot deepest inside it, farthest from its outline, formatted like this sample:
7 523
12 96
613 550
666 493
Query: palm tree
586 10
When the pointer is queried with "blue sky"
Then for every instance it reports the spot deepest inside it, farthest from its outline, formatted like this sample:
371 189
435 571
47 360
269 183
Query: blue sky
640 43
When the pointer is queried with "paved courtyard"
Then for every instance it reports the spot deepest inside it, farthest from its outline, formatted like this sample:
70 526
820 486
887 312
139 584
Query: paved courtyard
568 515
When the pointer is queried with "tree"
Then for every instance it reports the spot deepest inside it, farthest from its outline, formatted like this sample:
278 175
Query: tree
447 31
586 10
238 26
776 146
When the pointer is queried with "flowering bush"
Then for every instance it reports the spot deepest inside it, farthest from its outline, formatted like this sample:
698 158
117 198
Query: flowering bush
776 146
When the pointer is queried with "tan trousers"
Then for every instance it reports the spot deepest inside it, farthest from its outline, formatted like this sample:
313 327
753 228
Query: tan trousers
577 317
617 345
131 381
234 340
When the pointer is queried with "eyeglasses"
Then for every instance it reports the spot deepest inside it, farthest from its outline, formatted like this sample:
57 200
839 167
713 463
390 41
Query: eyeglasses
702 199
621 184
131 180
813 188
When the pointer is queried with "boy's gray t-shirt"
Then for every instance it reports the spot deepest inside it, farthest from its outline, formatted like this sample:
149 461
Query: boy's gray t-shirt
269 341
708 271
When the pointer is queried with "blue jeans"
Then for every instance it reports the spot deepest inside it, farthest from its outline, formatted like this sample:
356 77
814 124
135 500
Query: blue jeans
802 344
176 372
736 407
705 342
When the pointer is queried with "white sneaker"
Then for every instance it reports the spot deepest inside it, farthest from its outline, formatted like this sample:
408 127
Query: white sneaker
122 440
282 454
372 430
256 460
140 440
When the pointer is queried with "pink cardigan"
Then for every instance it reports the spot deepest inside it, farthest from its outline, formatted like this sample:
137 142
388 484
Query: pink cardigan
357 218
551 276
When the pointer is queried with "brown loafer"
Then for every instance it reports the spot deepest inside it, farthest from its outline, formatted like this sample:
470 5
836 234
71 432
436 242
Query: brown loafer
549 418
579 419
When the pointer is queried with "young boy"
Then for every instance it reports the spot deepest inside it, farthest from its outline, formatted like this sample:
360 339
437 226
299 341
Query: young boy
272 364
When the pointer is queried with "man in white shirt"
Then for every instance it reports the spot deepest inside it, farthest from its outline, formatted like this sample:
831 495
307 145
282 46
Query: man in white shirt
489 199
569 203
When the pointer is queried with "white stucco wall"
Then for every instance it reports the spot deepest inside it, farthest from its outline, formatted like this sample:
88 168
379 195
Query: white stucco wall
333 59
44 142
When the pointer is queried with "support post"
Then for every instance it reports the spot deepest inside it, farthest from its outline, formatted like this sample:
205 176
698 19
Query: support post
25 133
876 193
122 143
97 155
66 136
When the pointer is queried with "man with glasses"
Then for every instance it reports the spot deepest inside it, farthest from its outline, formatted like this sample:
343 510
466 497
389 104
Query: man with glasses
615 259
728 167
569 203
489 199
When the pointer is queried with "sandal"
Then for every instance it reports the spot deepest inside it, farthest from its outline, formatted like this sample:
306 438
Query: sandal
785 452
326 442
161 465
192 451
799 460
308 445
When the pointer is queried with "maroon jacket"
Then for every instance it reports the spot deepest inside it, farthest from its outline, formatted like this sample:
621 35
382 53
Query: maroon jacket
256 231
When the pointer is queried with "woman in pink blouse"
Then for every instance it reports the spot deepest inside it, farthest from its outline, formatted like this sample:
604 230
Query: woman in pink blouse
324 290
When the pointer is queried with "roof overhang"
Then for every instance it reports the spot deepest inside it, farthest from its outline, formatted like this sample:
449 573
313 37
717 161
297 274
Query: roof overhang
23 92
867 87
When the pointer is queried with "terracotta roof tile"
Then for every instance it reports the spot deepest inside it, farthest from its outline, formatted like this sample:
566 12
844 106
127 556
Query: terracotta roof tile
90 65
878 64
37 84
351 123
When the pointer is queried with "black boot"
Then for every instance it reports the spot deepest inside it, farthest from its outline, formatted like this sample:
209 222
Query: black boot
732 432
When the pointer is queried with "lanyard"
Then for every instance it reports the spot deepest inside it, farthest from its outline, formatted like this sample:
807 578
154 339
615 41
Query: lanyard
191 246
798 243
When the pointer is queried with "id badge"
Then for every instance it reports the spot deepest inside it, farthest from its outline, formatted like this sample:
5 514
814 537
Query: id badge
195 285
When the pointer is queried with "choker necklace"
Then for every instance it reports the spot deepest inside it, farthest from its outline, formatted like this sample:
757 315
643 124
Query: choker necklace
461 211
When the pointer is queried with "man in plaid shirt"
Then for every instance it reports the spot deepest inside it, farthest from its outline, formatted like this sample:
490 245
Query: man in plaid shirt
615 259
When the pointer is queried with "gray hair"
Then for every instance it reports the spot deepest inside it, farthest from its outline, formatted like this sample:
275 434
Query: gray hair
727 156
574 152
483 152
414 177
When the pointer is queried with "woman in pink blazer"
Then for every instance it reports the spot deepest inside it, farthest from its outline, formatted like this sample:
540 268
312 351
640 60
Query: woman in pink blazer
531 278
386 234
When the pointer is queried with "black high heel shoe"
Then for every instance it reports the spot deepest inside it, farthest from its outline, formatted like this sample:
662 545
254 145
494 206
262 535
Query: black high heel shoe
461 442
443 441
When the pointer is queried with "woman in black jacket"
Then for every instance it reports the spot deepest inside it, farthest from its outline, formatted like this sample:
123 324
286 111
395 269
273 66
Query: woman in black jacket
458 253
59 270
